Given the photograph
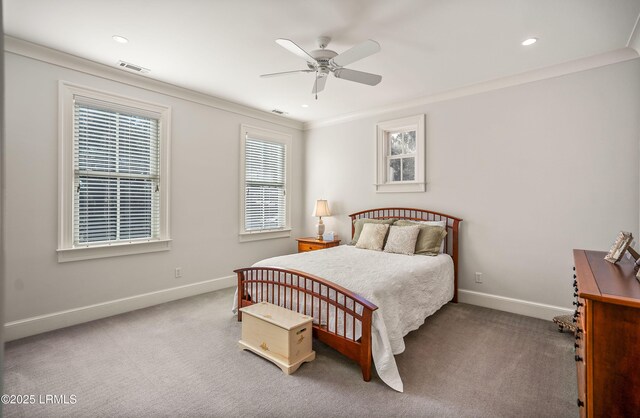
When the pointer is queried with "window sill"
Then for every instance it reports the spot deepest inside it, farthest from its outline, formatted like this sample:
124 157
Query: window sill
401 187
113 250
257 236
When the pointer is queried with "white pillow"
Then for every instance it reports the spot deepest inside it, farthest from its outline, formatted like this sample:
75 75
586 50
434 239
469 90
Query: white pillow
435 223
402 240
372 236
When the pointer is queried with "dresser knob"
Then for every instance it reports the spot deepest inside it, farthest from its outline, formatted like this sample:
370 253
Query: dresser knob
575 284
578 358
578 331
575 277
577 337
574 320
576 345
580 403
578 304
575 294
574 268
576 314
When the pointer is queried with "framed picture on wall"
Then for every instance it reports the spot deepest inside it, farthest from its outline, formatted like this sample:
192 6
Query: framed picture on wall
619 247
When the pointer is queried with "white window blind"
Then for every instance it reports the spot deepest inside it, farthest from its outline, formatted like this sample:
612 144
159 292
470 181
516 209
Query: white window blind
265 185
116 175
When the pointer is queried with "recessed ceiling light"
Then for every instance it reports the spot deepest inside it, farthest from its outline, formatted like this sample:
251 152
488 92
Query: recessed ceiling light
120 39
529 41
305 105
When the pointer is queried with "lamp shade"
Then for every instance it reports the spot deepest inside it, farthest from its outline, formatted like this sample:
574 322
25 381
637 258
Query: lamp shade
322 208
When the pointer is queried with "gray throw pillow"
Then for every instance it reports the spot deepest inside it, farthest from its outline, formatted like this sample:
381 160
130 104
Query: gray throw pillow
372 236
359 223
429 239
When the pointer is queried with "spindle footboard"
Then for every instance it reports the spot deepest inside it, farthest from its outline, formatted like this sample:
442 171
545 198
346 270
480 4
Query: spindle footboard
341 318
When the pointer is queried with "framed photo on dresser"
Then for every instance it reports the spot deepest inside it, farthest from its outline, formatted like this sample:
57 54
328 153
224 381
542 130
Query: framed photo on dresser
619 247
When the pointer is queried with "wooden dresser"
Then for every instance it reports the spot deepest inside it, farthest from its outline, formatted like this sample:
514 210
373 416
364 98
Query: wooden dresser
607 335
312 244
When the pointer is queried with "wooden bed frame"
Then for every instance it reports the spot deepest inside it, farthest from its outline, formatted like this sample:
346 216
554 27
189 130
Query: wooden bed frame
320 298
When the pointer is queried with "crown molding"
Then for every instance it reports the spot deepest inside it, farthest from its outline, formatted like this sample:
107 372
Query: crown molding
583 64
72 62
62 59
634 38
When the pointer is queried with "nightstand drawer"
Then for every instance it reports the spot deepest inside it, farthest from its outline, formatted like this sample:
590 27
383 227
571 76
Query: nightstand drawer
312 244
305 246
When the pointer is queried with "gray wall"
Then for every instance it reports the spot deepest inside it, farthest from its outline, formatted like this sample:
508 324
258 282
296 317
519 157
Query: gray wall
204 200
2 201
534 170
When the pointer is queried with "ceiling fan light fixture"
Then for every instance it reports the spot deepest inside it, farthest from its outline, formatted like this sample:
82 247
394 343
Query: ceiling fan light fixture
324 61
529 41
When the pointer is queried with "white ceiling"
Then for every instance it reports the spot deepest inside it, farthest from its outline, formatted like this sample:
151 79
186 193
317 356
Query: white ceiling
220 47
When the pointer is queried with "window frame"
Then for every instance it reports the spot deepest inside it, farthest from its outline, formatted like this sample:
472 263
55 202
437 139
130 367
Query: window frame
66 250
268 136
383 130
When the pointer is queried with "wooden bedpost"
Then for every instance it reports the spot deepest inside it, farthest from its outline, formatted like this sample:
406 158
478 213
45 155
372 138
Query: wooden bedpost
365 341
240 294
454 255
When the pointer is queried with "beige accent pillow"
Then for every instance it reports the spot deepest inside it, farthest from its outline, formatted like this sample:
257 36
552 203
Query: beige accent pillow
402 239
429 239
372 236
359 223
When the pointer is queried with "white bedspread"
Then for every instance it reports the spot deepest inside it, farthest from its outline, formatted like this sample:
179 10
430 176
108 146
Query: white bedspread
406 289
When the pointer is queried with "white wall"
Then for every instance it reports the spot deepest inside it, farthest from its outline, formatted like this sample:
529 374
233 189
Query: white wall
534 170
204 203
2 200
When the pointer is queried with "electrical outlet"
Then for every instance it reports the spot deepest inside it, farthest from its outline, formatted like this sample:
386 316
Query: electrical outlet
478 277
178 272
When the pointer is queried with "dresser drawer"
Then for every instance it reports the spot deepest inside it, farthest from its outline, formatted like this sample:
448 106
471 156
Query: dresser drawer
582 313
581 369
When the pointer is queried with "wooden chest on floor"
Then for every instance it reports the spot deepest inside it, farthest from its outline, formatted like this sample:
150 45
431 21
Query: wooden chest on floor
277 334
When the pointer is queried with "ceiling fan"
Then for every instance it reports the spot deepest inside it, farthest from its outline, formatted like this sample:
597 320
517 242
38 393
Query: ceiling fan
324 61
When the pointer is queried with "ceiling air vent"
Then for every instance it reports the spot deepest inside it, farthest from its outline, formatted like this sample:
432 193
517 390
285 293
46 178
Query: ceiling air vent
132 67
279 112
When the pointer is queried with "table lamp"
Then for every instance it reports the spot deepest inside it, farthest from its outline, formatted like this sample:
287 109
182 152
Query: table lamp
321 209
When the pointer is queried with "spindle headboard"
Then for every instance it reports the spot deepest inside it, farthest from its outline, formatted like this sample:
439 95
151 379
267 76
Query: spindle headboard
452 226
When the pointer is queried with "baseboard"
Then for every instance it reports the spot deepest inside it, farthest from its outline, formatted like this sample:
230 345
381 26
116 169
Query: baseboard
518 306
49 322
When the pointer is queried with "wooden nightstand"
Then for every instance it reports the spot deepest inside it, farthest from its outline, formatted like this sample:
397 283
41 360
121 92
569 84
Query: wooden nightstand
312 244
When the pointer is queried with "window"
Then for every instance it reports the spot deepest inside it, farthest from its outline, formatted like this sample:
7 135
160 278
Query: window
265 157
113 175
400 150
401 156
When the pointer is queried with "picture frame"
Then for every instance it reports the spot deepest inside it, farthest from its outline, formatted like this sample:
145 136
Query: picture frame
619 247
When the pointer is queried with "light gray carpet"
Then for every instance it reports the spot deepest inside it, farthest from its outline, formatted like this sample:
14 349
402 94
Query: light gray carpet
181 359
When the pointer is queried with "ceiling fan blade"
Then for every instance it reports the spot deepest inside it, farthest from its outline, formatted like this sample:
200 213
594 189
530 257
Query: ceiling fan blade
358 76
358 52
285 73
295 49
318 85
